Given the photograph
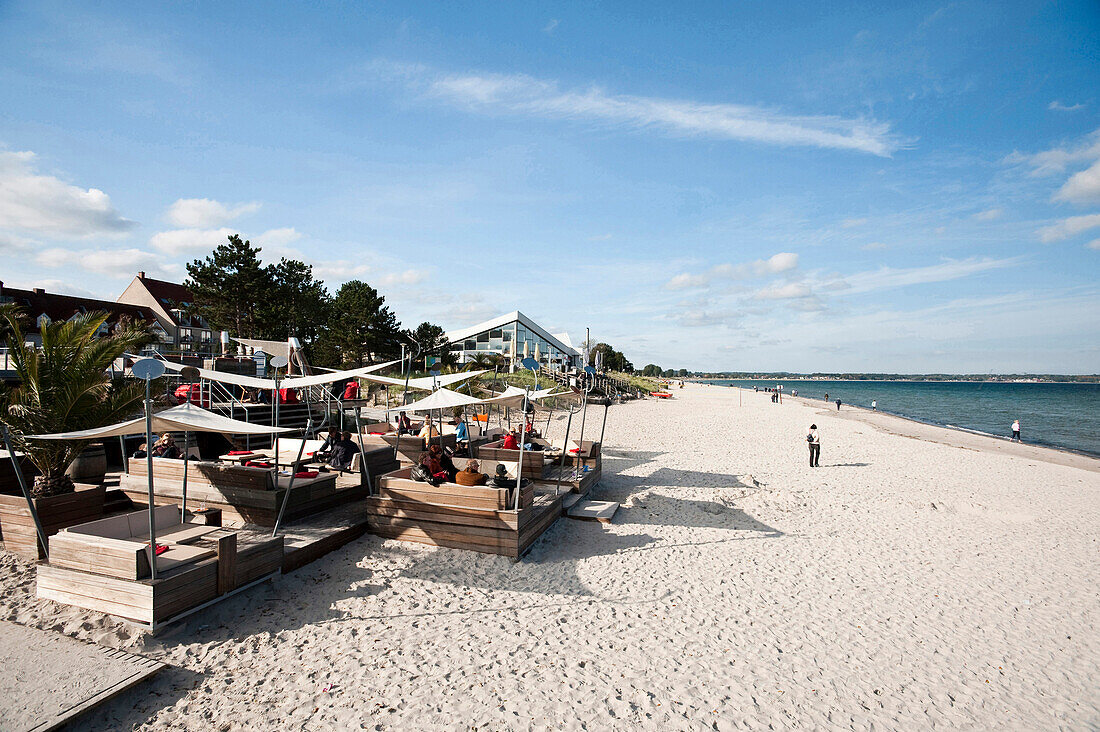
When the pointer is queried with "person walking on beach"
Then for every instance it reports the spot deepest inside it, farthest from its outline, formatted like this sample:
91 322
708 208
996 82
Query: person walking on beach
826 396
814 440
874 405
1016 430
838 405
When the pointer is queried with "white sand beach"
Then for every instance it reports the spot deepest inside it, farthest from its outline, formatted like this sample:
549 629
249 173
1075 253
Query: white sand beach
917 578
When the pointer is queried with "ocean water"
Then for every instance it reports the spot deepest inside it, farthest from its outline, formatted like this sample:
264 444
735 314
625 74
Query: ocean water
1066 416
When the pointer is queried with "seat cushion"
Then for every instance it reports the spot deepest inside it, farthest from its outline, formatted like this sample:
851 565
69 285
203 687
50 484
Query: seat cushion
181 534
180 554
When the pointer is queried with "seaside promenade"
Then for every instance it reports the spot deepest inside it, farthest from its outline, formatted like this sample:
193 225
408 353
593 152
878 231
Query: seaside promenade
911 580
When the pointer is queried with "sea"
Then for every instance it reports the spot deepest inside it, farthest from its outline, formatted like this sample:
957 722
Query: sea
1061 415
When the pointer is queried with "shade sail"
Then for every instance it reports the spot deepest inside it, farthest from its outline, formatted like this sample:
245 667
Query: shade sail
441 399
426 382
185 418
297 382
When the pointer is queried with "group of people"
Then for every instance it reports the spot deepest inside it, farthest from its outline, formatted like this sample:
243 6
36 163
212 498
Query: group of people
436 465
164 447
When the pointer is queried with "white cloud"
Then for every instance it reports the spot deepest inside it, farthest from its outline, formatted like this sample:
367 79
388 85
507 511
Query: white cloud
1094 245
185 241
789 291
775 264
408 277
1058 159
852 223
549 28
886 278
1057 106
874 246
30 201
1070 227
110 262
205 213
278 237
521 94
1083 187
991 214
10 244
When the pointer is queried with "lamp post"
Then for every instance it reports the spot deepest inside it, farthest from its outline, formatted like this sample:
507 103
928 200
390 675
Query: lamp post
277 362
149 369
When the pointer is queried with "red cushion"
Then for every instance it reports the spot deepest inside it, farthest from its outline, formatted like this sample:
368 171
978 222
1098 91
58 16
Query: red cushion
239 452
257 464
306 474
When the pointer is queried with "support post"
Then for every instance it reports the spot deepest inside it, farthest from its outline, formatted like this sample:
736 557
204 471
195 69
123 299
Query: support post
564 451
26 492
363 470
186 460
290 486
227 563
519 466
149 471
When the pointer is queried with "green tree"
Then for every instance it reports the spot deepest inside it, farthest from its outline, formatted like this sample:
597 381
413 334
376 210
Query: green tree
683 373
363 327
64 386
432 340
300 305
651 370
232 289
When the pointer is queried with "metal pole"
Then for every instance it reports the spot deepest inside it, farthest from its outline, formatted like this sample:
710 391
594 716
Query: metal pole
363 454
290 486
519 467
125 457
584 416
149 470
606 408
564 451
186 455
275 414
26 493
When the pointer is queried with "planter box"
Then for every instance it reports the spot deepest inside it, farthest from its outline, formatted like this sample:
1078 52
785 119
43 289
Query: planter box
55 513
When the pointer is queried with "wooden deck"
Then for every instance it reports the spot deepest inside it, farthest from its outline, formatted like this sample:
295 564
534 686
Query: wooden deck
459 518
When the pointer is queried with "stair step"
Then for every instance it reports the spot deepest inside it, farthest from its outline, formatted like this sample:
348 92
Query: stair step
602 511
568 501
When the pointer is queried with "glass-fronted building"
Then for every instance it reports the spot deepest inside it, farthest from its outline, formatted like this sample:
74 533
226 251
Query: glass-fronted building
514 335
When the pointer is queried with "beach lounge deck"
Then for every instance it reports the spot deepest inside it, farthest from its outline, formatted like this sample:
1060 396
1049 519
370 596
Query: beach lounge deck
477 518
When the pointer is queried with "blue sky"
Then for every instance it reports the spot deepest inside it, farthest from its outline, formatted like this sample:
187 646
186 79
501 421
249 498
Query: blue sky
908 187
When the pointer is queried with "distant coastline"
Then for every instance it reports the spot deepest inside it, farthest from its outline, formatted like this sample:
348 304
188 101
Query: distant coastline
946 379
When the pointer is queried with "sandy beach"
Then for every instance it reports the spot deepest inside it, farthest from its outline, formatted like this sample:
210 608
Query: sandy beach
919 577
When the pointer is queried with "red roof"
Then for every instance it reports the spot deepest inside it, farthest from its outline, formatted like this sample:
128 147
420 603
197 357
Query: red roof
62 307
172 292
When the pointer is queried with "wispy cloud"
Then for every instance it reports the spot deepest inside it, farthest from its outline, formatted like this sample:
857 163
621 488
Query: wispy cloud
1058 159
32 201
1070 227
1057 106
991 214
789 291
549 27
1093 245
886 278
204 213
117 263
522 94
1082 188
775 264
852 223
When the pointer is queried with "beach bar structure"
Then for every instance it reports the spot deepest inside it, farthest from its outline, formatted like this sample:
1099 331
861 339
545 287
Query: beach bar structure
516 336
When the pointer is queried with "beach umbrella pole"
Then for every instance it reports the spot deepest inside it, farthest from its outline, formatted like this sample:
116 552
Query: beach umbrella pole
149 471
603 427
290 486
363 453
26 492
186 456
564 450
519 466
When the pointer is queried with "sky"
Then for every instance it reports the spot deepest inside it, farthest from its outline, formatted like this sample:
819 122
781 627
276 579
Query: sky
751 186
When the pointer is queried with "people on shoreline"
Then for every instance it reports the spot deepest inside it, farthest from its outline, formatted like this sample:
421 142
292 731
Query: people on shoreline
814 441
874 405
838 405
1016 430
826 396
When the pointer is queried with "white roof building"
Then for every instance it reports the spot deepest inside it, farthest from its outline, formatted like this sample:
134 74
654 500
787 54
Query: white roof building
514 335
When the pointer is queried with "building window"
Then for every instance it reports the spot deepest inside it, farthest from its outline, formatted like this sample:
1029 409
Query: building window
470 345
43 320
483 337
496 334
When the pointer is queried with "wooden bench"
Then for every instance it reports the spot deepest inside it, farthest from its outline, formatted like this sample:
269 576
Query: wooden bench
244 494
533 460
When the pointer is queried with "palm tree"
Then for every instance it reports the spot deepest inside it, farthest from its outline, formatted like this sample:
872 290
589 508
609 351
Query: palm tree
64 385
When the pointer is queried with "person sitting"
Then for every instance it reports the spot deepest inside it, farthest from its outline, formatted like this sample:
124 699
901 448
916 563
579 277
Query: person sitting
433 465
443 460
141 451
343 452
510 442
471 474
326 448
428 432
404 425
501 479
462 436
165 447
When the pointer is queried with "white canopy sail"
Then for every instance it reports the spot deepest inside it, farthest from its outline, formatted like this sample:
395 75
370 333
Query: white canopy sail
426 382
441 399
185 418
295 382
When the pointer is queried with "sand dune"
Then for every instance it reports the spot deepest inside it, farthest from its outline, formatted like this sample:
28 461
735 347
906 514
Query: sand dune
906 583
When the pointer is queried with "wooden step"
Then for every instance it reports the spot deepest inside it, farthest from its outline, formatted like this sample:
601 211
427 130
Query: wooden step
569 500
602 511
